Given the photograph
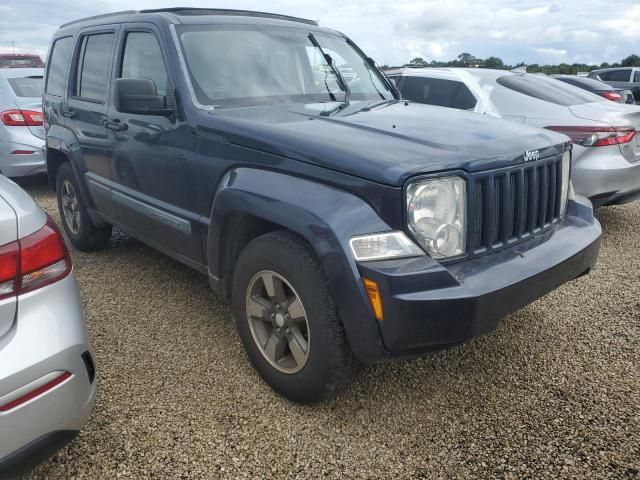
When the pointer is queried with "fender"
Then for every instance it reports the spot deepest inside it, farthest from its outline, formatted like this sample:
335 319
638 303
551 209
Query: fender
326 218
64 141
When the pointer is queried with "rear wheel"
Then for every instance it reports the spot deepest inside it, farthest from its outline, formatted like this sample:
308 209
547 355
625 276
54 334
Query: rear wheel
76 222
287 320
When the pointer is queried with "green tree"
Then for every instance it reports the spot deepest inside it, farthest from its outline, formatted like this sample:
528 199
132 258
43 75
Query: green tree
418 62
631 61
493 62
466 59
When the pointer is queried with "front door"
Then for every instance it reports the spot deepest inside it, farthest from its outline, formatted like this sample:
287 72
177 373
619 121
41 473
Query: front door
153 166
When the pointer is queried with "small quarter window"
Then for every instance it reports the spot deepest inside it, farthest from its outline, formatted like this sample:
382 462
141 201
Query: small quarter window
58 66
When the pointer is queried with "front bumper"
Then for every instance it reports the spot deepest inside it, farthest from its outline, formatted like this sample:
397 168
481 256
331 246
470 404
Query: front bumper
429 306
49 335
605 176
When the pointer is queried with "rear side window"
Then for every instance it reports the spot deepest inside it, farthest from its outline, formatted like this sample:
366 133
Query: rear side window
26 86
437 91
636 76
94 67
548 89
616 75
143 59
59 66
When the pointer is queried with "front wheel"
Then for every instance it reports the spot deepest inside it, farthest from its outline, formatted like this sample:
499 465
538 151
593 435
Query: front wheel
82 233
288 322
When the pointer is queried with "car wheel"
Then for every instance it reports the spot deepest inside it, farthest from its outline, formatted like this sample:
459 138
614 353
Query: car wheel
76 222
287 320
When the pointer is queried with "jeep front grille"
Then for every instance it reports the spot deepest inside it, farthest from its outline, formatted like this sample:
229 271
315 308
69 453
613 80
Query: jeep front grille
513 204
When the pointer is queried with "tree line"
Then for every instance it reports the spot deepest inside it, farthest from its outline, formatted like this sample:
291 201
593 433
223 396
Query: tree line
468 60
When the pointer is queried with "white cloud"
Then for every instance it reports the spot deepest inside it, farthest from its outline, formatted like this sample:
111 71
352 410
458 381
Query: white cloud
535 31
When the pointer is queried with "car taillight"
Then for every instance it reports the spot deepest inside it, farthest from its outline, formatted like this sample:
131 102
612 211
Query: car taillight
33 262
597 136
613 96
21 118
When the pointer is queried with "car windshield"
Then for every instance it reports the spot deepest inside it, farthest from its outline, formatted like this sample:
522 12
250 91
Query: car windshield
27 86
246 65
548 89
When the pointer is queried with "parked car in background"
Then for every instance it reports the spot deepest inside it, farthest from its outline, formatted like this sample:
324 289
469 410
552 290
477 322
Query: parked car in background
606 153
617 95
627 78
47 375
21 129
340 228
20 60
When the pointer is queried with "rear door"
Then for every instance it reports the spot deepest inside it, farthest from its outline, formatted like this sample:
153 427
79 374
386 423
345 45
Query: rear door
86 109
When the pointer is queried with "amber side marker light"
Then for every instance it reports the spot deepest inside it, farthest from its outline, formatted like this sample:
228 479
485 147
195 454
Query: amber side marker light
374 297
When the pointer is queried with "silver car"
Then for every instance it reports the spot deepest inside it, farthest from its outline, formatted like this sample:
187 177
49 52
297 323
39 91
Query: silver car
47 374
627 78
21 129
606 153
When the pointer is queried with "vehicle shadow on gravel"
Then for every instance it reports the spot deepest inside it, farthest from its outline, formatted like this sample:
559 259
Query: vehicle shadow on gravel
173 378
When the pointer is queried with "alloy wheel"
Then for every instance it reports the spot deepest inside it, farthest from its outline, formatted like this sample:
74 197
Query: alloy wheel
70 207
278 321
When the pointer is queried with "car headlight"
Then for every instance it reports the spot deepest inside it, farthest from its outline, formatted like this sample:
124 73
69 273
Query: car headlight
566 169
437 211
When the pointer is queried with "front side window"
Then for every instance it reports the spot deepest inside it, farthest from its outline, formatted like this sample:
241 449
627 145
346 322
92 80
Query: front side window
27 86
143 59
95 59
58 66
616 76
548 89
242 65
636 76
438 91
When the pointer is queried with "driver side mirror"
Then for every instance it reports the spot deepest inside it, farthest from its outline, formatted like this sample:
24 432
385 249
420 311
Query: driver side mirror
139 96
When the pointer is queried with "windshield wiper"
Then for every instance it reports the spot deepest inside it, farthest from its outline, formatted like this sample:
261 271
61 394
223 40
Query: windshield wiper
340 79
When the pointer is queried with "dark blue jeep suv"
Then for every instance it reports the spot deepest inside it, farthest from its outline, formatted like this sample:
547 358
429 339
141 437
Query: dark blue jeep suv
345 225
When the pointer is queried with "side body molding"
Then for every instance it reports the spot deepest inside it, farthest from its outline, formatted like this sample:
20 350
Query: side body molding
326 217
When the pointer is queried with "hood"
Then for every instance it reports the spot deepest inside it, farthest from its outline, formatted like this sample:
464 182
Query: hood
386 142
34 104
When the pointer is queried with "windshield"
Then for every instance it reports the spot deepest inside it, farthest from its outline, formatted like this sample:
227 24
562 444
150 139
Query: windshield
548 89
246 65
27 86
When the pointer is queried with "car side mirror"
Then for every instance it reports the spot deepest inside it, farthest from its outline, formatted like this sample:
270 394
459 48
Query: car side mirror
139 96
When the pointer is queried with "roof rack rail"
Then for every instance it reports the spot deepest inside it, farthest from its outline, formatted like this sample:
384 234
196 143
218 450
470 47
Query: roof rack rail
227 11
104 15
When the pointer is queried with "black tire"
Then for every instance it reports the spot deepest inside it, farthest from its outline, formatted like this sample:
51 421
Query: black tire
330 366
84 235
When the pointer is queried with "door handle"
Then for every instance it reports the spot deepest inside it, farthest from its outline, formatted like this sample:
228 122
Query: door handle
68 112
115 124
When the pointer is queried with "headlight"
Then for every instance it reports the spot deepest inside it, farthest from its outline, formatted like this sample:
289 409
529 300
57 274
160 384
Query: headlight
566 168
382 246
437 215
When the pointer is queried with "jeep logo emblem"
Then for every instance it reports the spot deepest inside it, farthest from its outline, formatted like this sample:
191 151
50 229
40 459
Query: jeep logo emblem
531 155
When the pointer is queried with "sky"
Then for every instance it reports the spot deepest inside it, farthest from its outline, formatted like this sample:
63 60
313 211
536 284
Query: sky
532 31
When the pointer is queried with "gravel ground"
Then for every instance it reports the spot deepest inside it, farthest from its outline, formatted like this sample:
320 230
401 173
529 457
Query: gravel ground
553 393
